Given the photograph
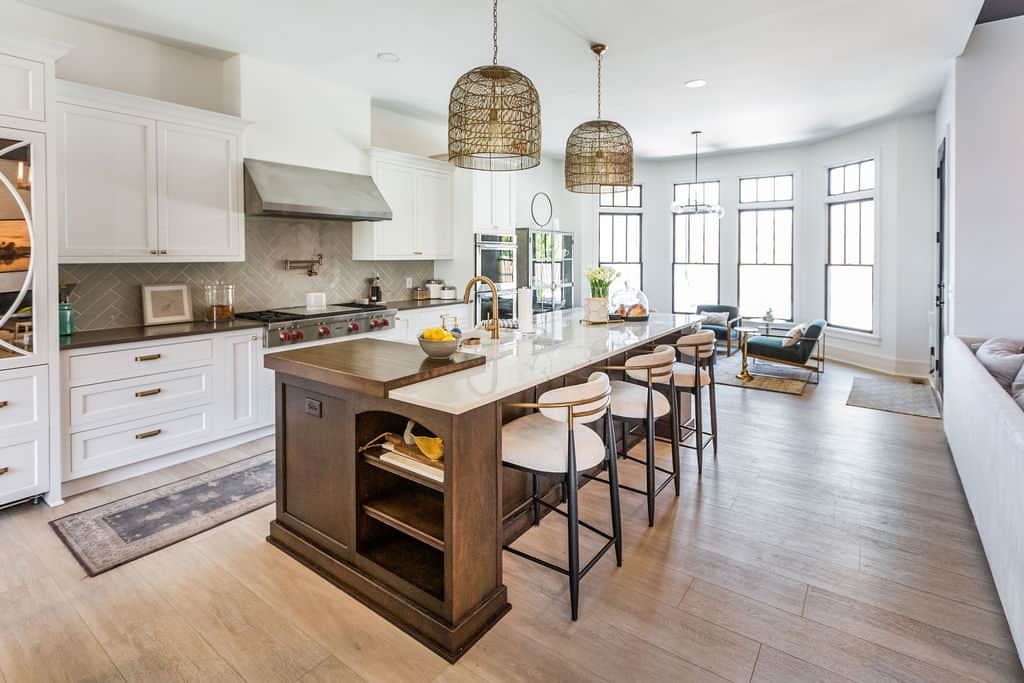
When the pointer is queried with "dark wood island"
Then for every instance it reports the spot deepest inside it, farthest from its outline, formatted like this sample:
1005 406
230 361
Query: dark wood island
426 554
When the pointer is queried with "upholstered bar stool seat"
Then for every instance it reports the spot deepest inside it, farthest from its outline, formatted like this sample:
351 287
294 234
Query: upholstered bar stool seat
684 375
630 401
536 443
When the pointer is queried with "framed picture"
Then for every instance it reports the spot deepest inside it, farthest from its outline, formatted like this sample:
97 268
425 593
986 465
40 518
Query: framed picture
163 304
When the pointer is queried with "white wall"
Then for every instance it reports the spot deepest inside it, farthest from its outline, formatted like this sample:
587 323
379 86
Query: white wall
904 152
120 61
404 133
988 203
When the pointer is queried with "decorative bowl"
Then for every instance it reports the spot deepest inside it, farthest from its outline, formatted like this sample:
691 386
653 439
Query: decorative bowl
439 350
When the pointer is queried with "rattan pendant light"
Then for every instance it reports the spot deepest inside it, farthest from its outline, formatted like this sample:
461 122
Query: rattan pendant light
494 117
598 152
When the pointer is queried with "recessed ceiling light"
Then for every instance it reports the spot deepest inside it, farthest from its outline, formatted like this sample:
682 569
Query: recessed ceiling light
696 83
388 57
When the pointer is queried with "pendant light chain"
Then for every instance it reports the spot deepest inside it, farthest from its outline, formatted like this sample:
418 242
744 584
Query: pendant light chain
599 86
494 34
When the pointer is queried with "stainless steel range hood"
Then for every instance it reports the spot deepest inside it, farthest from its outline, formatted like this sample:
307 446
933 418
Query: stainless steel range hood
273 189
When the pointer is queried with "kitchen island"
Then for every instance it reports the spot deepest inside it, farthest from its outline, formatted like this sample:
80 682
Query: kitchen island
424 551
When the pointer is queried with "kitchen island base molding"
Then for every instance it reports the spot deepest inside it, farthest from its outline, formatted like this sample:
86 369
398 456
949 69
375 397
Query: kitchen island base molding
448 641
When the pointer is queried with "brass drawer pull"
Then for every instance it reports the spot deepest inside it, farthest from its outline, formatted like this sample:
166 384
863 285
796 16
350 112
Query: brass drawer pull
3 471
147 392
4 404
146 435
151 356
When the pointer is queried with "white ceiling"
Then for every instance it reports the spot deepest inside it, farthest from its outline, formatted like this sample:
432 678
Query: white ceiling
779 71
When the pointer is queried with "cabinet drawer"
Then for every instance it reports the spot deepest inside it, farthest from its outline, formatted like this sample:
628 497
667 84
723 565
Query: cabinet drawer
22 400
105 448
112 402
22 470
138 361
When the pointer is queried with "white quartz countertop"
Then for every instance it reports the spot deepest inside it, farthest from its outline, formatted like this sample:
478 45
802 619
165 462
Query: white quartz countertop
560 345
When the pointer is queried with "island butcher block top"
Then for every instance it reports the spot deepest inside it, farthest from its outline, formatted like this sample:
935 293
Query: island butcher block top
370 366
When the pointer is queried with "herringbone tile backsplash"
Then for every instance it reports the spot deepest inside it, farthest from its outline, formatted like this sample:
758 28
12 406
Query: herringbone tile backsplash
109 295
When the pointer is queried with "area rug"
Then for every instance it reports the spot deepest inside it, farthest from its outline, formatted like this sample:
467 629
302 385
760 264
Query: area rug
112 534
767 376
894 396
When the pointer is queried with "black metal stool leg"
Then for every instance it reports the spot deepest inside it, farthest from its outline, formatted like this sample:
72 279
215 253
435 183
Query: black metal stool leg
613 489
674 407
698 411
574 545
714 413
649 436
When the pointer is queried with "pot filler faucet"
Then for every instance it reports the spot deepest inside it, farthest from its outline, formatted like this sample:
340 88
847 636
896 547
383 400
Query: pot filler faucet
493 322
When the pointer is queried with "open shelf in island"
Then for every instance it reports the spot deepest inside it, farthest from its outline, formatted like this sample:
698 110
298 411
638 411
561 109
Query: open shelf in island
414 511
372 457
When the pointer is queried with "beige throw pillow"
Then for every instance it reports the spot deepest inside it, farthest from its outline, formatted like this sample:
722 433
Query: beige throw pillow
1003 358
793 336
721 319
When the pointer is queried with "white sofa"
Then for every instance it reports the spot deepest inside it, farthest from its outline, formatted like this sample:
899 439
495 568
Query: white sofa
985 428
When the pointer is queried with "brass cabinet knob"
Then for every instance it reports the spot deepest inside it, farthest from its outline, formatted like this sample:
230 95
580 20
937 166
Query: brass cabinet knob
163 251
146 435
151 356
152 251
4 404
147 392
3 471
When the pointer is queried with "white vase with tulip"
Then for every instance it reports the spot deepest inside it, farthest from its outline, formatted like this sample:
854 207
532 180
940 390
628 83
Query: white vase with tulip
595 307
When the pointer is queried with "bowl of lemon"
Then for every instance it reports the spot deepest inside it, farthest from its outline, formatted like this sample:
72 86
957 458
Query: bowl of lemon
439 343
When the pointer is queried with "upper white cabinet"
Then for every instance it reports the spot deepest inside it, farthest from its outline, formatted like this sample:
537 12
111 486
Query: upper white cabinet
142 180
494 202
419 192
22 93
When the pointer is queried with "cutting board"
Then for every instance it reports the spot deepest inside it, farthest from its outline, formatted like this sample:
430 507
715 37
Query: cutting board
370 366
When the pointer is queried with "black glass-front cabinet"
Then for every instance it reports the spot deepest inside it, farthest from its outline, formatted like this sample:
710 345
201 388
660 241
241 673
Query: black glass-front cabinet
545 262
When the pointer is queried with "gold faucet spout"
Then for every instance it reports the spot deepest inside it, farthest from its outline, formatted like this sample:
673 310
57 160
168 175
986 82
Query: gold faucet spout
493 322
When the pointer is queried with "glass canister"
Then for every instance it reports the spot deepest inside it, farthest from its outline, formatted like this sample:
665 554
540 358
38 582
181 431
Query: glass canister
220 302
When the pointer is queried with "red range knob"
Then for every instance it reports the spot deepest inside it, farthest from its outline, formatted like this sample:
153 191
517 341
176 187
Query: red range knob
384 322
374 324
286 336
299 336
354 327
324 331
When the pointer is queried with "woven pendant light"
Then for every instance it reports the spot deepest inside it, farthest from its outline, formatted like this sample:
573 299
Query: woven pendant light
598 152
494 117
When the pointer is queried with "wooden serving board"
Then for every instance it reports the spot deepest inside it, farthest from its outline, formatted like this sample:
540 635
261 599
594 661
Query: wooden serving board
370 366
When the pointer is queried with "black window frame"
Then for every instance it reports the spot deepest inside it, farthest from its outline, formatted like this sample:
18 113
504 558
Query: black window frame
718 257
792 256
853 198
625 191
859 163
773 176
640 243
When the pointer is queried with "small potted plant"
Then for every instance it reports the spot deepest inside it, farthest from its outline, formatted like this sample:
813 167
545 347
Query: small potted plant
595 308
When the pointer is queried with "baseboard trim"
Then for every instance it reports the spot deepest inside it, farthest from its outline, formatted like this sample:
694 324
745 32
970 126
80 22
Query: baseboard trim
900 367
94 481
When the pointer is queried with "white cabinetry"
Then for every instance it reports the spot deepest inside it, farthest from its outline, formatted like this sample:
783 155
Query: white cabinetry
419 192
22 90
146 181
129 403
410 322
494 202
24 433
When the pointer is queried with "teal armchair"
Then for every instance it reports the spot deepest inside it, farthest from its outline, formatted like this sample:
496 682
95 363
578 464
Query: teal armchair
727 332
807 353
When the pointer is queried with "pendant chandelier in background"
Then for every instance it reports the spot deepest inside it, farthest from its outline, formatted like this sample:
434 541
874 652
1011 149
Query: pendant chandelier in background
494 117
693 208
598 152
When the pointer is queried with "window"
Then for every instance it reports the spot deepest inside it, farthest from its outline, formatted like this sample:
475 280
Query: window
619 246
695 250
766 262
850 272
773 188
621 197
855 177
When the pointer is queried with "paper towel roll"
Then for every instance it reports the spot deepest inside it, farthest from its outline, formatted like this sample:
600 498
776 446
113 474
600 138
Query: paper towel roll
524 305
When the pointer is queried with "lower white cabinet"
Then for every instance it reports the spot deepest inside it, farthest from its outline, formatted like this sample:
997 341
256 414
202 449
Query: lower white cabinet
24 433
411 322
127 403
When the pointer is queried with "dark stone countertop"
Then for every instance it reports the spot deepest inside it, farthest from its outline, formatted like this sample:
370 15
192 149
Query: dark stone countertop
412 304
138 333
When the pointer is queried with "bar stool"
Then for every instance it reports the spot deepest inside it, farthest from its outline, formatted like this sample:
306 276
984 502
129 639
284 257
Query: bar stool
548 443
697 353
635 401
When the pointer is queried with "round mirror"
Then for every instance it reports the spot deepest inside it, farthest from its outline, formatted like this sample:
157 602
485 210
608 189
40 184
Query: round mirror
540 207
16 263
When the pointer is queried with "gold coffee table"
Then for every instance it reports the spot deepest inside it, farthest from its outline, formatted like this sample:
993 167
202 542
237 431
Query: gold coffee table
745 333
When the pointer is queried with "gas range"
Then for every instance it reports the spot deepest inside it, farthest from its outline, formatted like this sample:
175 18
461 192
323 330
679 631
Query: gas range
299 325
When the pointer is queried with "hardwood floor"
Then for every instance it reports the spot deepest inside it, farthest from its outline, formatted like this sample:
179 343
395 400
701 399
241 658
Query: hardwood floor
825 543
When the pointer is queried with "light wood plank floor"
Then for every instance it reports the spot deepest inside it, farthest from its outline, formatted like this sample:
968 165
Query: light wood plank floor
826 543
